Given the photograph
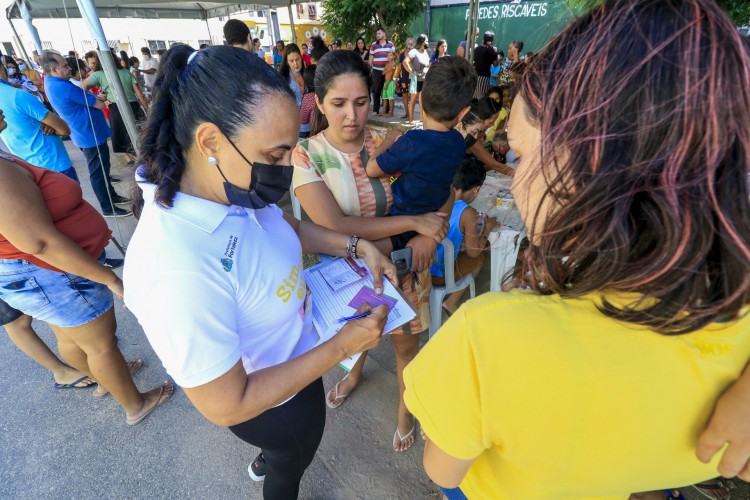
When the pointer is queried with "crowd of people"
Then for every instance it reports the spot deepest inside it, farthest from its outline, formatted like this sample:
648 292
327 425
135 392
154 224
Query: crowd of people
614 365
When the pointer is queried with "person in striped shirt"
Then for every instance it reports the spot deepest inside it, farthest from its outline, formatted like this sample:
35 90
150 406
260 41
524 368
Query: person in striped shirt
378 59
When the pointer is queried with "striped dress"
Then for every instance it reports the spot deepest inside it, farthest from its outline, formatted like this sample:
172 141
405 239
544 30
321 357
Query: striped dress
316 160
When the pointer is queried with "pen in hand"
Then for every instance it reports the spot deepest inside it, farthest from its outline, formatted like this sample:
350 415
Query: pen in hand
356 316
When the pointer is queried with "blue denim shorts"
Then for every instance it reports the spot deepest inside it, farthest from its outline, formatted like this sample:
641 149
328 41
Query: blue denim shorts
454 494
60 299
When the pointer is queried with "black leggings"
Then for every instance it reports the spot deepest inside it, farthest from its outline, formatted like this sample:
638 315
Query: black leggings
288 436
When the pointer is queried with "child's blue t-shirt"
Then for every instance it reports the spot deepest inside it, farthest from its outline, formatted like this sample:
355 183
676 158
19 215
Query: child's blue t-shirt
425 162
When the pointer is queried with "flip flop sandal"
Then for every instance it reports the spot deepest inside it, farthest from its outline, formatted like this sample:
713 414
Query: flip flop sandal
133 366
74 385
398 438
336 396
162 399
710 487
672 496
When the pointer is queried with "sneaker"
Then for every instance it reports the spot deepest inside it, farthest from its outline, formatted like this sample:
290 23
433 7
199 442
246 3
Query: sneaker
257 469
113 263
118 212
120 200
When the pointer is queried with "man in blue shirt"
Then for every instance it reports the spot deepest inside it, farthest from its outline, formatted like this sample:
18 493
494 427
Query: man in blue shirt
89 130
33 132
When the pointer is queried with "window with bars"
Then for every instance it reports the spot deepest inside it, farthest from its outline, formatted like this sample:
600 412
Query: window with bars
300 10
312 12
154 45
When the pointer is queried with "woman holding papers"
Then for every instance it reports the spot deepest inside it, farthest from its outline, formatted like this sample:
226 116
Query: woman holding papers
214 269
331 184
599 379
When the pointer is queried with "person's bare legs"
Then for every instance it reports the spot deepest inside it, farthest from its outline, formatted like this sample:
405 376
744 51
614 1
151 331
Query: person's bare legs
350 381
406 348
103 361
405 96
412 103
464 265
392 104
25 338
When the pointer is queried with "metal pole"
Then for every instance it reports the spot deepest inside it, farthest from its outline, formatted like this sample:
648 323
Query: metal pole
469 32
88 13
472 30
32 29
208 27
291 21
427 19
20 44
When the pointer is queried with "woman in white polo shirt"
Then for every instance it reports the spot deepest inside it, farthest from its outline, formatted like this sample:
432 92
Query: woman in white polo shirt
214 269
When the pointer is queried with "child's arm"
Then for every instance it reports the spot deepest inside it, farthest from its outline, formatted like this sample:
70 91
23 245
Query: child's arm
475 242
372 168
489 162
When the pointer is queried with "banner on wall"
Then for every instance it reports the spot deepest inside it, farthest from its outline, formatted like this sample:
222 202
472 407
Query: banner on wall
535 22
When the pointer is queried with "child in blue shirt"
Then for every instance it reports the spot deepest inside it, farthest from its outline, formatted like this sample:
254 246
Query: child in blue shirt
424 162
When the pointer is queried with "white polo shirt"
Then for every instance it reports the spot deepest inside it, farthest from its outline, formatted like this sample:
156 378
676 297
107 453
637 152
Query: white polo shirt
211 284
150 63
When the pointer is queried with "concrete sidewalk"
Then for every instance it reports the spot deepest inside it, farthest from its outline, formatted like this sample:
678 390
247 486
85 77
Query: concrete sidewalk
65 444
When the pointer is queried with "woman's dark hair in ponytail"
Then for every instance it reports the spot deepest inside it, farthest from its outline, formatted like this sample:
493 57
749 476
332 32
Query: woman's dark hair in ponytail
338 63
222 85
481 110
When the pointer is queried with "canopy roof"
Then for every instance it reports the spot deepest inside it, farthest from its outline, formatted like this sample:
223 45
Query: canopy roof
149 9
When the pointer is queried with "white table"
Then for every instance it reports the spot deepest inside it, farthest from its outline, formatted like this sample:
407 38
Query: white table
506 239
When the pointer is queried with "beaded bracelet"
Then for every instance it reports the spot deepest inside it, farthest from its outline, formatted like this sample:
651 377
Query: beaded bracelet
349 247
355 241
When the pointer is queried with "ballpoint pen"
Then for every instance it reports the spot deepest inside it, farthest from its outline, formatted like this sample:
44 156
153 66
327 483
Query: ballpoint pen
356 316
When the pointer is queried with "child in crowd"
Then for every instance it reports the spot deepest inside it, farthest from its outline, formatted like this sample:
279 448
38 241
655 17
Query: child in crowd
496 67
308 101
466 226
389 90
425 161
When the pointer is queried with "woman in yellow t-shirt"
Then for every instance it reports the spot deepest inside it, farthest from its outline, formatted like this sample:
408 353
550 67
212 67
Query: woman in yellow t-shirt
599 380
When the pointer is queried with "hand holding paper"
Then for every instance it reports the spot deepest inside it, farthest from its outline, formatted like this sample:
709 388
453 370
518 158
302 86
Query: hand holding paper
379 265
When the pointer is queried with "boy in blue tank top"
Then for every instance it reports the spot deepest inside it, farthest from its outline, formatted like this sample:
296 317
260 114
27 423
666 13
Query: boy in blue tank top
422 163
465 226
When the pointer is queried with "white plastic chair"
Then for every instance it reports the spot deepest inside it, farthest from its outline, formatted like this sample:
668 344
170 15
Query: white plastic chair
438 293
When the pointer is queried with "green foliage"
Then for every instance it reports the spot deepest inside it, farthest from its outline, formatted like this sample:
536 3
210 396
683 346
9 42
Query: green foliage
738 10
349 19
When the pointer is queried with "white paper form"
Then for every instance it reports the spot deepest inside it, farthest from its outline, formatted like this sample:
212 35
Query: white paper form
339 274
330 305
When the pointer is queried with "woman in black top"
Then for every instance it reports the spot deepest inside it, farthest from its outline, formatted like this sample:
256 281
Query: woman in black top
361 49
484 55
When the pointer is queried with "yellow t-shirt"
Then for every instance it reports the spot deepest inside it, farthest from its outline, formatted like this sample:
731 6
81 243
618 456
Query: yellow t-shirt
557 401
500 119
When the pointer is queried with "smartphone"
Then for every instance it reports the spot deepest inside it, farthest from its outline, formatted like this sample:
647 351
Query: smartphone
402 260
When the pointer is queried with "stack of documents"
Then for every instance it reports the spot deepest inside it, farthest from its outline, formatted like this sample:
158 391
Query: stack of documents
339 287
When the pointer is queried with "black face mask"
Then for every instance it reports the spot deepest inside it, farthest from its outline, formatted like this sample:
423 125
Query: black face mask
268 184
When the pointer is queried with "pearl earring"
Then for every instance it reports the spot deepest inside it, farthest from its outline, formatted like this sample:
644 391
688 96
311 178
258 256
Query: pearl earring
211 160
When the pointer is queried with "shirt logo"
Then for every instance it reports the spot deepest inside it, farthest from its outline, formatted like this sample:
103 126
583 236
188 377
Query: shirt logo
227 263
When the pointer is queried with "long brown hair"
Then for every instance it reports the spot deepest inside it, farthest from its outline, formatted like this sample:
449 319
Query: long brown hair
644 112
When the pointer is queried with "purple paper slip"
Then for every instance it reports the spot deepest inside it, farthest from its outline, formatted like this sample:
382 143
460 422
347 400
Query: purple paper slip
367 294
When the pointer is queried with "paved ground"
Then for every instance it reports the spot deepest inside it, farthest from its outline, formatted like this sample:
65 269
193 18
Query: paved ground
65 444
